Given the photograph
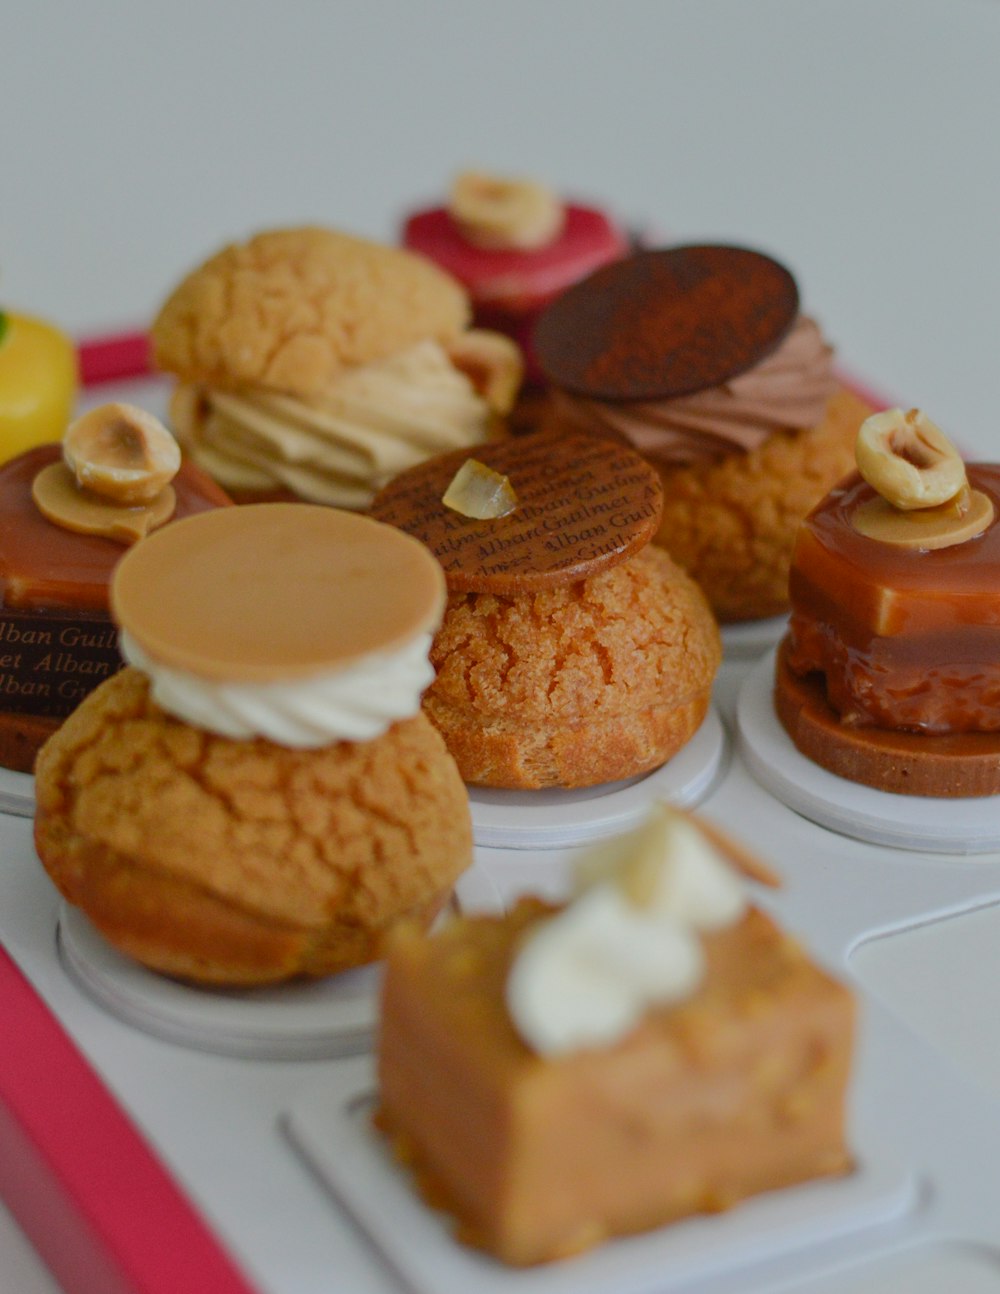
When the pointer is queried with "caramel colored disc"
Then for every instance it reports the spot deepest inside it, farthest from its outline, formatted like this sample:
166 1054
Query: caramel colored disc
275 591
583 505
60 500
662 324
948 766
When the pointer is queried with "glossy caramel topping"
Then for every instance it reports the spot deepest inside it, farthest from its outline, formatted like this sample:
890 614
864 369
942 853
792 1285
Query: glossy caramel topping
43 565
906 639
887 590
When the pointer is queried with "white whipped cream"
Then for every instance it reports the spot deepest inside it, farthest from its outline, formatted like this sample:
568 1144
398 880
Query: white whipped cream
372 423
356 703
629 940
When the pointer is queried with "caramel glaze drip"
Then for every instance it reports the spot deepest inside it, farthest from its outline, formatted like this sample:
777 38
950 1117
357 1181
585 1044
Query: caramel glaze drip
907 639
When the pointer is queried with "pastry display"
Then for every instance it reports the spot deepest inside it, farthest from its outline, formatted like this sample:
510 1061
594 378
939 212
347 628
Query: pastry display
514 245
315 365
573 651
700 358
890 672
258 795
654 1049
38 382
67 514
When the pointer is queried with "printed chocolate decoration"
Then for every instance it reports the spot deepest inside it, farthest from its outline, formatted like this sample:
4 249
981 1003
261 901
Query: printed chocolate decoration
663 324
49 662
583 505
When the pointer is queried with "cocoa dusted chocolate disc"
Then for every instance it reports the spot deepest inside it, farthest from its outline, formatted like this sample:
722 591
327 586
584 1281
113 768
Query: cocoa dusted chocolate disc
666 323
583 505
273 592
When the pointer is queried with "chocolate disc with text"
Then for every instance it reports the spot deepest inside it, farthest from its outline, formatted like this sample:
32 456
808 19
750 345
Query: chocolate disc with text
666 323
582 505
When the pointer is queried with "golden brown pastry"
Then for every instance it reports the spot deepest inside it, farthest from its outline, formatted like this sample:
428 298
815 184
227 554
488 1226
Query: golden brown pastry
572 651
317 365
700 358
226 833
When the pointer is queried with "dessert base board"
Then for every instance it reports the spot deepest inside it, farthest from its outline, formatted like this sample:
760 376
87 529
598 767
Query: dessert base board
332 1130
302 1020
17 793
966 826
552 819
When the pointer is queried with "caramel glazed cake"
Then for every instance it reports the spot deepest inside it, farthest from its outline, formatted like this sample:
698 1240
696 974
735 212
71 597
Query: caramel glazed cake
889 673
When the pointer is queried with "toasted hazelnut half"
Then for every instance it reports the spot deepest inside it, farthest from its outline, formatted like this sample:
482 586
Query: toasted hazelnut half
909 460
492 363
121 452
504 214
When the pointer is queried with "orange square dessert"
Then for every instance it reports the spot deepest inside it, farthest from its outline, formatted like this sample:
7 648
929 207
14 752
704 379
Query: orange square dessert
738 1088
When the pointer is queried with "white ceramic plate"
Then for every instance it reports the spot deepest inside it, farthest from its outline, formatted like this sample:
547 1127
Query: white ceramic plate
302 1020
553 819
916 822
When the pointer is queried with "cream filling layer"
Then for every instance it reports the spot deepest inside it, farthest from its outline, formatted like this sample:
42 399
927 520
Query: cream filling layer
787 391
356 703
342 446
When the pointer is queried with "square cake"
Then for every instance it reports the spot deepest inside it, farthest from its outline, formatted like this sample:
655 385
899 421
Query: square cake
739 1088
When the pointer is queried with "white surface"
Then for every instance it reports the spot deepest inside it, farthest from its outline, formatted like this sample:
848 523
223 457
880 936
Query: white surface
964 826
924 1269
935 977
17 793
302 1020
749 639
555 819
854 139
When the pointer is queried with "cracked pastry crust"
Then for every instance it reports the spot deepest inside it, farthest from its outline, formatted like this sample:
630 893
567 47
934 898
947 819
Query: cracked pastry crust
731 524
243 862
292 307
580 684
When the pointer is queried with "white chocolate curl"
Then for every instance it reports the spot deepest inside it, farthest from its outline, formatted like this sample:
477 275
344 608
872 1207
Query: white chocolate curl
629 941
355 703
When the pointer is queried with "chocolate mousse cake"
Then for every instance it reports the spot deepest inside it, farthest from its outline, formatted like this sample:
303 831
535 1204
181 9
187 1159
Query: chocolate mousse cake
700 358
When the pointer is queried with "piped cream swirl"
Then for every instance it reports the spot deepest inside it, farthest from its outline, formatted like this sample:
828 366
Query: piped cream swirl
339 448
786 391
355 703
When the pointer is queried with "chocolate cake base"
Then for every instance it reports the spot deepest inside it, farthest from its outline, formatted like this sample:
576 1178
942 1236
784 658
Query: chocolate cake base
949 766
21 738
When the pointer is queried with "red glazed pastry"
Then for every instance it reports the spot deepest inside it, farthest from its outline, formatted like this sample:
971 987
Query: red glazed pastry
514 247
